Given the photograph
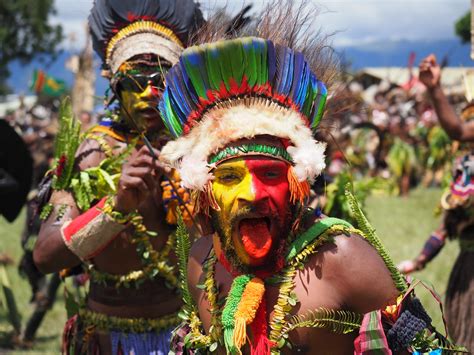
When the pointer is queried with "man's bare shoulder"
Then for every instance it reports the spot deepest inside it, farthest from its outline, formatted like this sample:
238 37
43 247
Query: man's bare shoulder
90 153
358 272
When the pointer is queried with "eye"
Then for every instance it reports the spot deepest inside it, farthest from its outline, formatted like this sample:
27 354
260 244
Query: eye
229 178
272 174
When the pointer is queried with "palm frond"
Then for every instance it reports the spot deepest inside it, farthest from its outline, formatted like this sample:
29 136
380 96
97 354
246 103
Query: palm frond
371 236
183 246
337 321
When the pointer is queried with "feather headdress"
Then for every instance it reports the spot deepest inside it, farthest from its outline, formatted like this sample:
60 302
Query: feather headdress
233 89
122 29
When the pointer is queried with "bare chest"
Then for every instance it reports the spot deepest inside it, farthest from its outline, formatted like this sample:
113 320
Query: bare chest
311 294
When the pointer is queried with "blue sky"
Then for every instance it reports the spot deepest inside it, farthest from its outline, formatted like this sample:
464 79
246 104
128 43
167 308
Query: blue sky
356 21
365 25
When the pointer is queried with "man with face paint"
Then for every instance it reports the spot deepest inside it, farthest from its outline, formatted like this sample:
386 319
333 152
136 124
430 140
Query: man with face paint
273 276
121 232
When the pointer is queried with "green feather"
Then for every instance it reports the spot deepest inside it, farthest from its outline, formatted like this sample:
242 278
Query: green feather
237 60
174 120
250 62
213 58
225 62
195 72
262 67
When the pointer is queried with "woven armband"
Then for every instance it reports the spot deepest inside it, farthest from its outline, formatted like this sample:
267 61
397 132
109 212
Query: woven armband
432 247
91 232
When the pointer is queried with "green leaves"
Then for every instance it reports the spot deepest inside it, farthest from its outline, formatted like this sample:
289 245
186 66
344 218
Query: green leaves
93 183
65 146
183 246
340 322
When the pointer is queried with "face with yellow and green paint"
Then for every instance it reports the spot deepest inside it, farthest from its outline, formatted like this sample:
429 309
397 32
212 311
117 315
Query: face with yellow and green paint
255 210
140 85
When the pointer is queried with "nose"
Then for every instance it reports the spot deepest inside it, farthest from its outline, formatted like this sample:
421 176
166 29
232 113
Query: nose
246 191
150 92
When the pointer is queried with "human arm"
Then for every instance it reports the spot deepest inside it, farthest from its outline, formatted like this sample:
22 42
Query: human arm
431 248
63 243
430 76
363 281
406 325
50 253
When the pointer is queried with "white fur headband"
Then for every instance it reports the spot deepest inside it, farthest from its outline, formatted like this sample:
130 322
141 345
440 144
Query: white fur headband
222 125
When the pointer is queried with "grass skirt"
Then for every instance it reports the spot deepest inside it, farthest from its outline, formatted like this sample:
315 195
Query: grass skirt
459 307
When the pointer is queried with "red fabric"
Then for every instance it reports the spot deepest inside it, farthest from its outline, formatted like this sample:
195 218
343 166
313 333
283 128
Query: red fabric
82 220
261 345
68 335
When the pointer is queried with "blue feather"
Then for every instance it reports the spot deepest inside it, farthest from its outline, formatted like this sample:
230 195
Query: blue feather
285 71
182 107
271 59
190 92
195 65
297 76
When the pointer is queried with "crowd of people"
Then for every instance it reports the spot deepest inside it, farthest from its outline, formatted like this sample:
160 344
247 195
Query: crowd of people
194 213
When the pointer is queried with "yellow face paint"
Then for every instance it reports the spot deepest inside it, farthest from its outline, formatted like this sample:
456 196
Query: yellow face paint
142 106
232 181
232 187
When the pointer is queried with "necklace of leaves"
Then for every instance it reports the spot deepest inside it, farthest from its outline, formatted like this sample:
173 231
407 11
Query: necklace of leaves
155 263
280 325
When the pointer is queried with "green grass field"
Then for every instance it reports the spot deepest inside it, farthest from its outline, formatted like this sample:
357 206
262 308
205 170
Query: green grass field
403 225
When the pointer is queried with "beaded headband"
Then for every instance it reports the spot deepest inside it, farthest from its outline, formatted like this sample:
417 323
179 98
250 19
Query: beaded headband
122 29
142 37
250 149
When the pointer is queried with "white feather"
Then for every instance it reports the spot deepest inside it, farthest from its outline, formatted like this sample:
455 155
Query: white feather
221 126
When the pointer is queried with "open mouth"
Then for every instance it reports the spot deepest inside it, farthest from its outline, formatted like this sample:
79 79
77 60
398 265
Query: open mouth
256 237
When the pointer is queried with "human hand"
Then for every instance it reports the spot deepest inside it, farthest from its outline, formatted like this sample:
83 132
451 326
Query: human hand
430 72
408 266
139 178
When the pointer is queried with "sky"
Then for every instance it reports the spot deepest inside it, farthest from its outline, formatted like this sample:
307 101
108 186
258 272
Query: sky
355 22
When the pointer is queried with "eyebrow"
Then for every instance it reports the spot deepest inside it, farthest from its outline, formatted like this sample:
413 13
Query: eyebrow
227 168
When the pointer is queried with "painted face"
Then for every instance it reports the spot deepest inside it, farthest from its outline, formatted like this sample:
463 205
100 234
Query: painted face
254 220
140 92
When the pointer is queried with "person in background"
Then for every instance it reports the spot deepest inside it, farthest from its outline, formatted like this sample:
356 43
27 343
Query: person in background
106 203
458 217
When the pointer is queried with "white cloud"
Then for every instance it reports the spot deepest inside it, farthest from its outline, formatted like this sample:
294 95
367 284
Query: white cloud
355 21
363 21
72 15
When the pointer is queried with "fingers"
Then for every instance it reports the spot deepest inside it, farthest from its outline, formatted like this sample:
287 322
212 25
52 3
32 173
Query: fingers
134 183
144 157
428 62
431 58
